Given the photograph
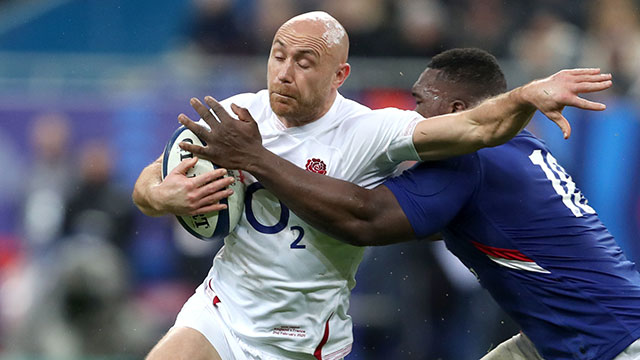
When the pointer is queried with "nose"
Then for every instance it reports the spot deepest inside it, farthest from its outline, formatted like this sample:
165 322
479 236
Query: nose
285 72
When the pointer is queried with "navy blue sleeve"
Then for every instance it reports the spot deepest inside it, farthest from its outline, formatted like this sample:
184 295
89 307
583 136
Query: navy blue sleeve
431 194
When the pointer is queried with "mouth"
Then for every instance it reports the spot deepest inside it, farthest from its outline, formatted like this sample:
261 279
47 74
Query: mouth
282 95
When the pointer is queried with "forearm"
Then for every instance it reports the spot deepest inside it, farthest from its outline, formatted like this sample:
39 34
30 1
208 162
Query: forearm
499 119
335 207
142 191
491 123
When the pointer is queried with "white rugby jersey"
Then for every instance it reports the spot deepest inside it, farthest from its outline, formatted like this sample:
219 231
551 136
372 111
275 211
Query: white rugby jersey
281 282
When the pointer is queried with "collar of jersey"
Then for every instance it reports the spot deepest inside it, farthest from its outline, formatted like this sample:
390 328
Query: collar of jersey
326 121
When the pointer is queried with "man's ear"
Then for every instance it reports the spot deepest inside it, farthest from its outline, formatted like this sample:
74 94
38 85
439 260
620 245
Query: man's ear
342 74
457 105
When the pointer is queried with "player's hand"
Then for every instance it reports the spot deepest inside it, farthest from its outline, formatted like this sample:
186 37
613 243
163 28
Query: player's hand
181 195
552 94
231 143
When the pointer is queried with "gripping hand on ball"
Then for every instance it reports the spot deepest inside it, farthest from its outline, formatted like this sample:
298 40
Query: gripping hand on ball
181 195
231 143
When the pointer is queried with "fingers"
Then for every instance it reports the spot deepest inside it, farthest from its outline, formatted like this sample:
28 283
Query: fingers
208 194
200 131
220 112
587 87
243 113
185 165
583 71
594 78
561 121
587 104
209 208
215 197
212 202
217 185
209 176
194 149
204 112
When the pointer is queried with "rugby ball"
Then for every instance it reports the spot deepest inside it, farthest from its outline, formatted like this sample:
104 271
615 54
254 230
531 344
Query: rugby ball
215 225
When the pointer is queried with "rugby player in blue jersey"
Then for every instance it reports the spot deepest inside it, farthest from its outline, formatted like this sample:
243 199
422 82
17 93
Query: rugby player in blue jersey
510 213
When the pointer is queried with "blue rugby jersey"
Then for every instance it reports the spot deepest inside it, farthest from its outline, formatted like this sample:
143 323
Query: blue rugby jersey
515 218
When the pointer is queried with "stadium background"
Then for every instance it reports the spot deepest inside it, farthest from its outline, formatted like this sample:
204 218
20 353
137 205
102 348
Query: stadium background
90 91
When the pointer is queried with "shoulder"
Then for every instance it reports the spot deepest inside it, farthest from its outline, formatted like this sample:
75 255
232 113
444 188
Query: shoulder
256 103
352 111
431 177
247 99
516 149
524 139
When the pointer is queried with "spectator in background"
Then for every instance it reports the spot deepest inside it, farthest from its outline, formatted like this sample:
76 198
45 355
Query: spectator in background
420 28
481 23
98 207
11 254
269 15
218 26
368 22
50 181
572 11
83 306
11 184
221 26
613 39
547 43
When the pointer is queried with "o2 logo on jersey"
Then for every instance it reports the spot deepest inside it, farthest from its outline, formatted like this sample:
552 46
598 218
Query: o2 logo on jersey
271 229
572 198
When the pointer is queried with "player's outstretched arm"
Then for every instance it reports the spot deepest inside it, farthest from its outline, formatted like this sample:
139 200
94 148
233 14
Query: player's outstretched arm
179 194
344 210
498 119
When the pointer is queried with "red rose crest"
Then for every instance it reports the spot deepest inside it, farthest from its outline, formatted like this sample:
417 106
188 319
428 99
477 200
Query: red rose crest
317 166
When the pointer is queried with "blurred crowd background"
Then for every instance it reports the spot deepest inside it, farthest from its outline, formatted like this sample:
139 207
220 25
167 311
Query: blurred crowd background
89 94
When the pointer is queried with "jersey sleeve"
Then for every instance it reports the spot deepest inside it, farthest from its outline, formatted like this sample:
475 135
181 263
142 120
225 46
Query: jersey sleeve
432 194
378 141
398 126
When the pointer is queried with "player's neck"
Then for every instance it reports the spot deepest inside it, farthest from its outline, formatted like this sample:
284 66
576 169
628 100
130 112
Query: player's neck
291 121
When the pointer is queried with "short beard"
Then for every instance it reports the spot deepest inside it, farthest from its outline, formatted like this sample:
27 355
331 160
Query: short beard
302 114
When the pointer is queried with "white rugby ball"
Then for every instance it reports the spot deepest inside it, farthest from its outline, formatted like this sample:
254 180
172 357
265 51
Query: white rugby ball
215 225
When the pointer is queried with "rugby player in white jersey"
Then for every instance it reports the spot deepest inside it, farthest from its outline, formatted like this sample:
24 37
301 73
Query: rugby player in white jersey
279 289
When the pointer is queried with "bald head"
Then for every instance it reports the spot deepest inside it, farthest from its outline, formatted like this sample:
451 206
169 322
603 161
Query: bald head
307 65
320 31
